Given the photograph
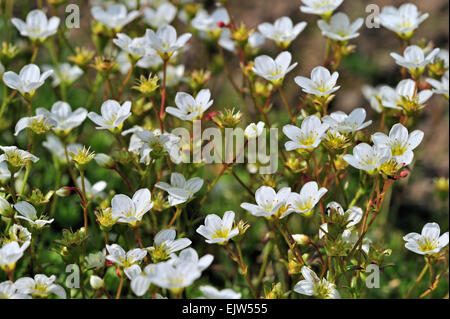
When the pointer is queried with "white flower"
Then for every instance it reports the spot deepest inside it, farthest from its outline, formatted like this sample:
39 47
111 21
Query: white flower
283 31
256 40
308 136
320 7
174 75
28 80
5 174
92 190
312 285
340 28
16 157
403 20
180 190
352 238
165 244
405 96
368 158
440 87
96 260
141 280
399 142
272 70
428 242
269 202
218 230
155 144
322 83
38 121
112 115
375 95
118 256
414 58
253 130
344 123
175 276
136 47
36 26
41 286
189 255
165 41
19 233
213 293
8 290
353 216
131 210
164 14
210 23
64 73
306 200
62 114
116 16
188 108
10 253
28 212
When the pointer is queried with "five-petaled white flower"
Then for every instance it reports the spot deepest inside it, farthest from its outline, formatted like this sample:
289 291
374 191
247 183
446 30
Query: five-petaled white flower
8 290
64 73
399 142
189 255
428 242
344 123
62 114
414 57
39 124
118 256
306 200
164 14
176 276
403 21
308 136
188 108
368 158
269 202
37 26
16 157
116 16
283 31
28 212
41 286
165 41
340 28
28 80
136 47
210 292
210 23
405 96
440 87
180 190
320 7
131 210
312 285
165 244
321 83
218 230
156 144
92 190
10 253
272 70
112 115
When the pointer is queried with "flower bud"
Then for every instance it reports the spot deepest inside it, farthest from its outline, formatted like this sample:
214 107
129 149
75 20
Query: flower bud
63 191
104 160
96 282
301 239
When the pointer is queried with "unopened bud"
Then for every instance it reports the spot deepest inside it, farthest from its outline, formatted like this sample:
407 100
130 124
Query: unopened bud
96 282
104 160
301 239
63 191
